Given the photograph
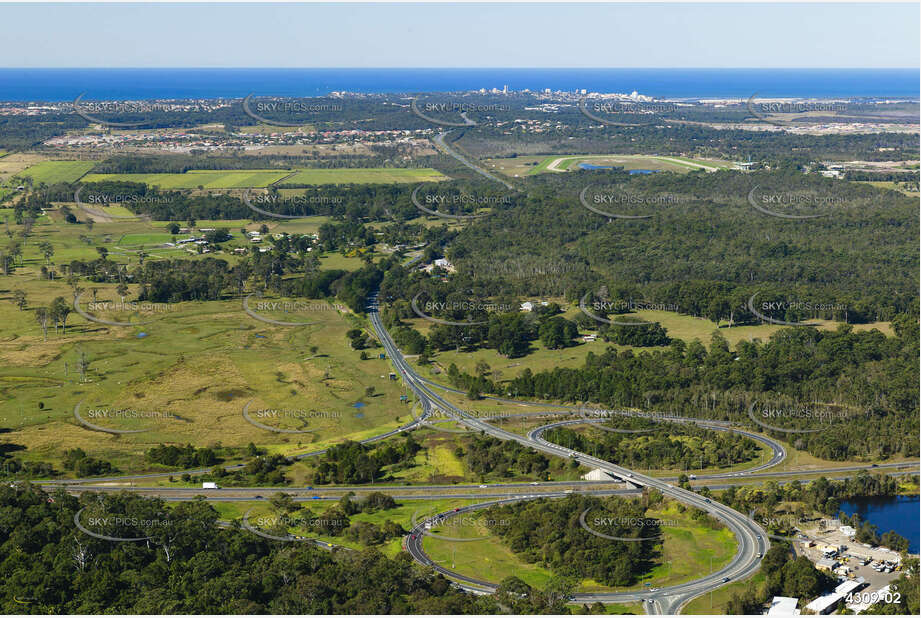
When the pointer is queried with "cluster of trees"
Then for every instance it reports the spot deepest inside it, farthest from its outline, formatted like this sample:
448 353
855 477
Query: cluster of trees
861 175
174 281
83 465
261 470
664 446
705 253
352 204
485 455
866 372
354 463
193 566
345 235
645 335
509 332
13 467
366 533
573 132
548 532
56 314
783 577
358 339
182 457
213 278
869 533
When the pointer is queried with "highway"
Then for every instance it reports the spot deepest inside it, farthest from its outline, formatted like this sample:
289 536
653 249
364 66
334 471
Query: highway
751 538
442 146
197 471
423 492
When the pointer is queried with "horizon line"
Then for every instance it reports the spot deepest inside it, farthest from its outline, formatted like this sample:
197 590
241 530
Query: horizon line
474 68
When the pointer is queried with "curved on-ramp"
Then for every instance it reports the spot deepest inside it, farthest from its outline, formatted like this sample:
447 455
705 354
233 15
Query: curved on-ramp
751 538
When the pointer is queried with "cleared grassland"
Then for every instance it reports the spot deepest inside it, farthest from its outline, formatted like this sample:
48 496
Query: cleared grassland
51 172
715 602
363 176
184 377
14 163
895 186
192 179
679 326
404 514
684 555
529 165
242 179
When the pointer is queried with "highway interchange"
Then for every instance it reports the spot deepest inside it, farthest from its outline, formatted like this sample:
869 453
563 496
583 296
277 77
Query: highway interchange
751 538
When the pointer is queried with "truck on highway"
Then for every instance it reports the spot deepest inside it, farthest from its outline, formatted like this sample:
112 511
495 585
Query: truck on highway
209 485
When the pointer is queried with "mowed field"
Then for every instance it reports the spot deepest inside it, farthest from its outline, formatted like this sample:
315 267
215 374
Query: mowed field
242 179
363 175
51 172
262 516
684 555
540 358
522 166
192 179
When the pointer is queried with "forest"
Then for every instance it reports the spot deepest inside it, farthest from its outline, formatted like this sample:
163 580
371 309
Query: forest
663 446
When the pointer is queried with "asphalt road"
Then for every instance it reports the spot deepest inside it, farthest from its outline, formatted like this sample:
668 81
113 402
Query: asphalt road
440 142
425 492
778 454
751 538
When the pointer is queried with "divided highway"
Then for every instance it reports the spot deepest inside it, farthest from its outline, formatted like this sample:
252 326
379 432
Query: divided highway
442 146
751 538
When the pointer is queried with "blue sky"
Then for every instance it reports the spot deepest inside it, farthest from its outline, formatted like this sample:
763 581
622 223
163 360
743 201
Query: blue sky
460 35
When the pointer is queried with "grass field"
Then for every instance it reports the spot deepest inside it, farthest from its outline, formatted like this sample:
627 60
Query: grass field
685 554
404 514
439 464
192 179
14 163
363 176
241 179
51 172
529 165
895 186
714 602
679 326
198 362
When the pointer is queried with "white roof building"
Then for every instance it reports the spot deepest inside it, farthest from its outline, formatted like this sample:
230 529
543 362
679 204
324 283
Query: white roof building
783 606
847 530
826 603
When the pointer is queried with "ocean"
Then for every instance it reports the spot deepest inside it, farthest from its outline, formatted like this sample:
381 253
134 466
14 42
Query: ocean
119 84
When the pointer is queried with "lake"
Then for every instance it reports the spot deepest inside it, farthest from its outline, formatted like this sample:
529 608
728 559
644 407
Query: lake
899 513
